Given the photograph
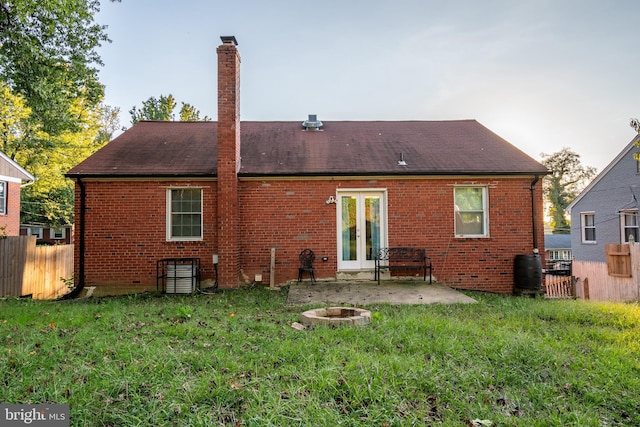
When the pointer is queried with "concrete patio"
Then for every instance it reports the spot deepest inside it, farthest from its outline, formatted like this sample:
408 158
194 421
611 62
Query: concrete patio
369 292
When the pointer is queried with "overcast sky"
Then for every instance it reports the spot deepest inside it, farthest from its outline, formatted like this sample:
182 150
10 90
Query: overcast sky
542 74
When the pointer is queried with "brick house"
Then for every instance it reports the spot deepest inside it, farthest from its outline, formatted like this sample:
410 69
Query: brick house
233 191
47 234
12 175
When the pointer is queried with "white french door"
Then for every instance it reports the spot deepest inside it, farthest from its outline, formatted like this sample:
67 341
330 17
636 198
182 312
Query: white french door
361 226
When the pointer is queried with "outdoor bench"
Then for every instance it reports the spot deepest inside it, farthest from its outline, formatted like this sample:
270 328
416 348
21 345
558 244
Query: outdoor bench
401 258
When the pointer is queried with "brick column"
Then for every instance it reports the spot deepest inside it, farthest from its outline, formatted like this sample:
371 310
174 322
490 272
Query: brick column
228 162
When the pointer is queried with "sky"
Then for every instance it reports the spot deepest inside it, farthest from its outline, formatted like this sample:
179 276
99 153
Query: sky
542 74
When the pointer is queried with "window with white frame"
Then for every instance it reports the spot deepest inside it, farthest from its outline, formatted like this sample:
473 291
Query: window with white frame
57 233
588 227
184 214
3 198
629 226
472 218
560 255
35 231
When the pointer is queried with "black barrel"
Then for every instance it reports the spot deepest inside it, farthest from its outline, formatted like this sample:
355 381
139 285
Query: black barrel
528 272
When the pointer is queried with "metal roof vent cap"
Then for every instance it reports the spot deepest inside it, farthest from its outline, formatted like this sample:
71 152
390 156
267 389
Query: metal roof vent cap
312 123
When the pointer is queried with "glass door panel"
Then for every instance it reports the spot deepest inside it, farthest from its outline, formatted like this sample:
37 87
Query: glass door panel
349 227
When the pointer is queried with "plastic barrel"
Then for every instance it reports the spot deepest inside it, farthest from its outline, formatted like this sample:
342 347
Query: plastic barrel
528 272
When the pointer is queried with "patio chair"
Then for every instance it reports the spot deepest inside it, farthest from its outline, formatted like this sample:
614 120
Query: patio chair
306 264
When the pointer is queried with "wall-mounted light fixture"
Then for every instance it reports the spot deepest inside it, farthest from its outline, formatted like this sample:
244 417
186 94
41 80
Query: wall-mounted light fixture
331 200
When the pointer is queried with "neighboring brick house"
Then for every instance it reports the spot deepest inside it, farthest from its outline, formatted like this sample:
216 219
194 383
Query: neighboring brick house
12 176
45 234
238 189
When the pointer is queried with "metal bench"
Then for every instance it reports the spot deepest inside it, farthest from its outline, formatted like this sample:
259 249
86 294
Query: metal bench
401 258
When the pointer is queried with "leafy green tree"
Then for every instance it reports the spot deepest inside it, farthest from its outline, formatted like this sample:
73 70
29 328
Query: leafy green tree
154 109
162 109
50 198
110 123
189 113
48 54
50 112
568 177
13 120
635 124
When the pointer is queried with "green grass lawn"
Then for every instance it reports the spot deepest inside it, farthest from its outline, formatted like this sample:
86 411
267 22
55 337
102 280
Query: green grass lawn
232 358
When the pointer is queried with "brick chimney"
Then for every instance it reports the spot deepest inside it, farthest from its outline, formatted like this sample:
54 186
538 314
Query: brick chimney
228 162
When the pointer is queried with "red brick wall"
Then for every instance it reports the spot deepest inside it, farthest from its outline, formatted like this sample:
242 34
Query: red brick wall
292 215
11 219
125 231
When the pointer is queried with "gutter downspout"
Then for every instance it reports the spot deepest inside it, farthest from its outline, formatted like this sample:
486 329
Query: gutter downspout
75 292
533 213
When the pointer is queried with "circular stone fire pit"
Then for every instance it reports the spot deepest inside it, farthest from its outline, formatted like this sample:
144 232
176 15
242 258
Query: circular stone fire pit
336 316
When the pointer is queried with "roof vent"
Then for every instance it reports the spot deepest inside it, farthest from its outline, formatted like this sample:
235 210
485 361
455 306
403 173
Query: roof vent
312 123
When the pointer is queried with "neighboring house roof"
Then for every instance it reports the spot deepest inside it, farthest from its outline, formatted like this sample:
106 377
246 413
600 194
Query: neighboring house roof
188 149
557 241
630 146
10 169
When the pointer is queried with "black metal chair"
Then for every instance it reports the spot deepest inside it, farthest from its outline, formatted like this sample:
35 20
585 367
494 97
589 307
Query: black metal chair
306 264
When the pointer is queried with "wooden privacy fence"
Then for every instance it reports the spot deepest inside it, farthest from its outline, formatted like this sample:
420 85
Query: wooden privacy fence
618 279
27 269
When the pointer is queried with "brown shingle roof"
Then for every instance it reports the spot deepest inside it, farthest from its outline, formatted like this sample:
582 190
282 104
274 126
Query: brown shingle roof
285 148
156 149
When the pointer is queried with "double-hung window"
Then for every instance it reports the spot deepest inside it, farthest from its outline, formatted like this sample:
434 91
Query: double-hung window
184 214
471 213
629 226
588 227
35 231
3 198
57 233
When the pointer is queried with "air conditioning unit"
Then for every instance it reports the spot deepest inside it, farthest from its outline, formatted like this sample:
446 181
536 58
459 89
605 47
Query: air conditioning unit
181 279
178 275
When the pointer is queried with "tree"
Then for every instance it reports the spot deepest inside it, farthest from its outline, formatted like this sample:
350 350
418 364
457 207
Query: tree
50 198
189 113
13 120
635 124
110 121
162 109
154 109
568 177
50 112
48 55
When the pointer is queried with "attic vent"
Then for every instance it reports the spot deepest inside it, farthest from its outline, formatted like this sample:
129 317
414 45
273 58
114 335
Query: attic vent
312 123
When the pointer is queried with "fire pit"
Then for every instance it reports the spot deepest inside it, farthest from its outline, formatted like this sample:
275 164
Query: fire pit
336 316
